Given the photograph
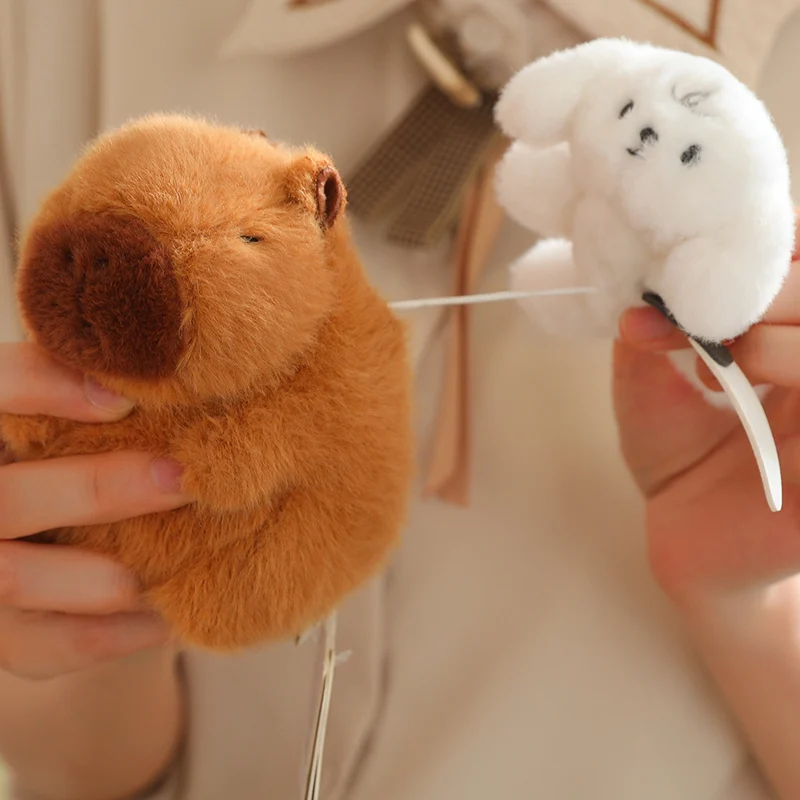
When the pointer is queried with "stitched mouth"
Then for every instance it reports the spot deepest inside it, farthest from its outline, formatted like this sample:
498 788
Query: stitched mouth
637 152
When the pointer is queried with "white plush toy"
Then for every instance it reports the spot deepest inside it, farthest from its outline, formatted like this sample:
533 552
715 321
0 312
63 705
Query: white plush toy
648 171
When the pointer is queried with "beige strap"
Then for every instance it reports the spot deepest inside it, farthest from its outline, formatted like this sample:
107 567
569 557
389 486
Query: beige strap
449 467
431 173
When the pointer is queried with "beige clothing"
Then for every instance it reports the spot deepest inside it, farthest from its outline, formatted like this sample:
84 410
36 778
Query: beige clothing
740 34
514 649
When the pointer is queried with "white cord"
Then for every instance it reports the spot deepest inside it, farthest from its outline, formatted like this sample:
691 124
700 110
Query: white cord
330 658
330 661
492 297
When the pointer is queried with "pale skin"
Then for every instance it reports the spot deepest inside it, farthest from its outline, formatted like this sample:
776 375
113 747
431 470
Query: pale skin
730 566
90 702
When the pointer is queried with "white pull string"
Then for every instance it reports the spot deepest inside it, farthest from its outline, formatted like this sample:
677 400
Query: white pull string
491 297
330 658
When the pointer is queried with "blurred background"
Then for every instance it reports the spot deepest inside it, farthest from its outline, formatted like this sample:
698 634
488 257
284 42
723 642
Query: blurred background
527 540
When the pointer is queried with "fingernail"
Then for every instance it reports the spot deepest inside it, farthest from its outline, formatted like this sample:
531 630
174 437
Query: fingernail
646 324
167 475
105 399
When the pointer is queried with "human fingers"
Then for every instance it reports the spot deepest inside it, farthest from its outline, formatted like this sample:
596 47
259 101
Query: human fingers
767 354
37 496
41 645
648 330
790 462
32 383
69 580
785 308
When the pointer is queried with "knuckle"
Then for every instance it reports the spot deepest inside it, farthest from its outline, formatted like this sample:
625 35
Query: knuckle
5 499
8 661
8 580
94 489
123 592
15 655
37 674
92 642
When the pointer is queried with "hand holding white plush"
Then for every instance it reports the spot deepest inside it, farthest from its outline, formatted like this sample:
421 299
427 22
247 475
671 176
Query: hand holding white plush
650 170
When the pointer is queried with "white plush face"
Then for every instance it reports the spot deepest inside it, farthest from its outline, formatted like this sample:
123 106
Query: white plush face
676 139
672 145
663 170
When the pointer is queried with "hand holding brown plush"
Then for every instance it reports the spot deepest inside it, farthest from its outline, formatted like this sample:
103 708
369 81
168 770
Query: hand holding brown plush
208 275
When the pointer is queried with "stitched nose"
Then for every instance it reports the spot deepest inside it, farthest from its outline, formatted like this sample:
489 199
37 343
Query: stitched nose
648 135
100 293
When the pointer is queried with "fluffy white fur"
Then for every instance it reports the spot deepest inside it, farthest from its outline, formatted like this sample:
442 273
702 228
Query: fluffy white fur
646 169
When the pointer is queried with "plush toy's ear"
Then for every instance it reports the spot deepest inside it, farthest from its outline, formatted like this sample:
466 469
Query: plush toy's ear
316 184
537 104
330 196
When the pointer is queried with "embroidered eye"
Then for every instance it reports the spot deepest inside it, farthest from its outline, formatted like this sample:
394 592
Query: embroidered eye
626 108
691 154
250 239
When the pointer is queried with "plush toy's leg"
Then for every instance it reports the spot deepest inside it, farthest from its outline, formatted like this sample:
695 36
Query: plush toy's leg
709 285
277 578
685 362
535 188
549 265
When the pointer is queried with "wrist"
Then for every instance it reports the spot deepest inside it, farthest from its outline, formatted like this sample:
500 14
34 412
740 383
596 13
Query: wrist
766 616
104 733
749 644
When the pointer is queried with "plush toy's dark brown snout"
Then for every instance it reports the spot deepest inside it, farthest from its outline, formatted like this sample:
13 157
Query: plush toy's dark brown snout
99 291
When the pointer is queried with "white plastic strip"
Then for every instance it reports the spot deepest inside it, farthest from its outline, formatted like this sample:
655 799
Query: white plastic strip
751 413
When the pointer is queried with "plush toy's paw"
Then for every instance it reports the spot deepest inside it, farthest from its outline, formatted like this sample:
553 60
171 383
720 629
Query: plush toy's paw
229 463
27 437
719 286
280 573
549 265
685 362
535 188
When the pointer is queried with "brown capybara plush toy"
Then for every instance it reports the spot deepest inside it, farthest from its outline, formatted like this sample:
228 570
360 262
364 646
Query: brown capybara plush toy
208 275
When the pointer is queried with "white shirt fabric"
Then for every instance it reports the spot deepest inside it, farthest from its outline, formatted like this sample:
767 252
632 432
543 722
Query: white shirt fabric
517 648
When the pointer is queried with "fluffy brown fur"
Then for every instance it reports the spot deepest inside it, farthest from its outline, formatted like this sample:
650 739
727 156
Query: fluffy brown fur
209 275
